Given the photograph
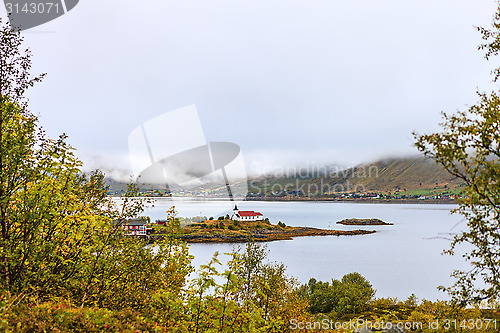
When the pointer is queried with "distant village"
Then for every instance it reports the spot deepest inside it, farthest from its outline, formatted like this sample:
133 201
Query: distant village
441 195
361 196
377 196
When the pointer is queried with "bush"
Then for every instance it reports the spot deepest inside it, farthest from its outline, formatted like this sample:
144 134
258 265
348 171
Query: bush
348 296
63 317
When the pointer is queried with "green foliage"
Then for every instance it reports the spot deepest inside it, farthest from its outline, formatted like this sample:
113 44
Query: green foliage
254 295
55 221
411 301
469 149
281 224
60 316
350 295
61 235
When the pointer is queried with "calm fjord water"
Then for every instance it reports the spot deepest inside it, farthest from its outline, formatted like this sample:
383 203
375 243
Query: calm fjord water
398 260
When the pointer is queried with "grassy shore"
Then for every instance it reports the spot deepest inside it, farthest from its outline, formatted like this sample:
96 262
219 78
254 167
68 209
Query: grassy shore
228 231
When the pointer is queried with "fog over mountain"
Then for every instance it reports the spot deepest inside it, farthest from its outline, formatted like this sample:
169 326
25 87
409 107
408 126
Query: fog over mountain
290 82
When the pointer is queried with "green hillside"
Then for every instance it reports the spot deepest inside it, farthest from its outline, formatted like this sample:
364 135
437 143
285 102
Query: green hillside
402 176
409 174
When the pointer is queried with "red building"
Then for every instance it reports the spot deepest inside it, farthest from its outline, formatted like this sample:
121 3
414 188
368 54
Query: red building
246 215
136 227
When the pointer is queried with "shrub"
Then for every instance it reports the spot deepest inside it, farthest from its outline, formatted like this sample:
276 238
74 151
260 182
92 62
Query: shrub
63 317
348 296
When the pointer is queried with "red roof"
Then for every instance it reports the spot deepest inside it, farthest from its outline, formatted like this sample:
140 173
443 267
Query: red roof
248 213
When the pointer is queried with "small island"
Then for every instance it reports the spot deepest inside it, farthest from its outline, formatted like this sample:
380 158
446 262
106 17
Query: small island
242 226
230 231
363 222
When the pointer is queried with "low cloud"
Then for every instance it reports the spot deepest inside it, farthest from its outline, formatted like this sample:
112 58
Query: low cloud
116 167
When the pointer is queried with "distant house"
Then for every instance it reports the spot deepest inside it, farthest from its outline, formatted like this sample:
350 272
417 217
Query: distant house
161 222
246 215
136 227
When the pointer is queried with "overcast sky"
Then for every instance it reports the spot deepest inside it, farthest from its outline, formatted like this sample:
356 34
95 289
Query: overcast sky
332 81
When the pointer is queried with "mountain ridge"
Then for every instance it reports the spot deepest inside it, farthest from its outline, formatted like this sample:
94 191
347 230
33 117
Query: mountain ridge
406 175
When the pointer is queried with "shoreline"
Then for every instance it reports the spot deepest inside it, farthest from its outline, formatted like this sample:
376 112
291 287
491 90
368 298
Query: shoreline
271 237
257 235
369 201
279 199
